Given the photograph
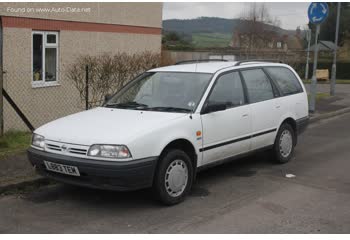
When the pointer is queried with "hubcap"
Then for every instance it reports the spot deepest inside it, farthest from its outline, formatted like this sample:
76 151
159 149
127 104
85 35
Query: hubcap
286 143
176 178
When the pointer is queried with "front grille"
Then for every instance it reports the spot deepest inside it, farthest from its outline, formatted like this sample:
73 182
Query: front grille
54 147
66 148
77 151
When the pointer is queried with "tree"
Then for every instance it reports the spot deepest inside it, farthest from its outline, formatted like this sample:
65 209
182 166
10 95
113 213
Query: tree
258 26
171 36
176 41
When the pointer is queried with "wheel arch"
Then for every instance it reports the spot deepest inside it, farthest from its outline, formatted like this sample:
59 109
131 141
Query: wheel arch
187 147
184 145
292 122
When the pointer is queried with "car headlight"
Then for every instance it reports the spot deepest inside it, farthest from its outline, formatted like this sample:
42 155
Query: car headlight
38 141
109 151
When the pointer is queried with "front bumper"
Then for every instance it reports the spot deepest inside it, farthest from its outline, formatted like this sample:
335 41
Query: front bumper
109 175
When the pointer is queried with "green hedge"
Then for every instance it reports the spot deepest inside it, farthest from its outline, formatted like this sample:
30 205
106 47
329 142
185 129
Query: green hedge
343 69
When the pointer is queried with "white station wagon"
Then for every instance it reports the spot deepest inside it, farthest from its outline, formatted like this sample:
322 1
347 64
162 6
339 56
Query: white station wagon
163 127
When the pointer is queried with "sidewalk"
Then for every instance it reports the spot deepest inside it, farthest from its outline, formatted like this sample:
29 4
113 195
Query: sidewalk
17 173
332 105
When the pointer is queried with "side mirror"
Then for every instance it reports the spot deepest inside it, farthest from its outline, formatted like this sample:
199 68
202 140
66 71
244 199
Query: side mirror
214 107
107 98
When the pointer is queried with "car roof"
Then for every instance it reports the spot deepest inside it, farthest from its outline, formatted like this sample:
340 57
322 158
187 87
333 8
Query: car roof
210 67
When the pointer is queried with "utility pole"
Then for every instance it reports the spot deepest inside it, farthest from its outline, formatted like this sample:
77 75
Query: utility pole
334 65
313 88
1 83
308 38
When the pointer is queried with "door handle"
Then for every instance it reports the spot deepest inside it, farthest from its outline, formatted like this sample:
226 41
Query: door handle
278 106
245 115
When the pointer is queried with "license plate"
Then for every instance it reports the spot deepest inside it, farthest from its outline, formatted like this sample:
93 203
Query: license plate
60 168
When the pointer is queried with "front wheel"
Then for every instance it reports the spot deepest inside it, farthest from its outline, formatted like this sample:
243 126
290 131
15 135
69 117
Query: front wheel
174 176
284 144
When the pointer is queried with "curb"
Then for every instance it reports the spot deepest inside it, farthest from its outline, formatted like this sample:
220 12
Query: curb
329 115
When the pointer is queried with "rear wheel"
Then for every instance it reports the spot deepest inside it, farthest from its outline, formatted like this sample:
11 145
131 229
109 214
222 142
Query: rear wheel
173 179
284 144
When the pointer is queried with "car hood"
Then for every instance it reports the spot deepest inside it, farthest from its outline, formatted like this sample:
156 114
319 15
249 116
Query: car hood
105 125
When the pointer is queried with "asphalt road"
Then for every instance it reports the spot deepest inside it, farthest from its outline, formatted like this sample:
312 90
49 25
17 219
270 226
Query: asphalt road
251 195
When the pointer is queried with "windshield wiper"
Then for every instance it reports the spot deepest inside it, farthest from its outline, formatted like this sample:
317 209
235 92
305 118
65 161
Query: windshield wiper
128 105
170 109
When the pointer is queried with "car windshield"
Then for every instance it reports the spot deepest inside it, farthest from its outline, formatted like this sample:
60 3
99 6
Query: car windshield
162 91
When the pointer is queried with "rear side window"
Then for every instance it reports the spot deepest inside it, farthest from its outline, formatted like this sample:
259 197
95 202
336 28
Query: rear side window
258 85
285 79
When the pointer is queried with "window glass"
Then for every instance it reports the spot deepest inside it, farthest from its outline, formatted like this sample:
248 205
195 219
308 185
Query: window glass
161 91
51 38
50 64
228 89
285 79
37 57
258 85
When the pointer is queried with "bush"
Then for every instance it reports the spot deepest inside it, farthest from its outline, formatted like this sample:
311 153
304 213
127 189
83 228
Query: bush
108 73
343 69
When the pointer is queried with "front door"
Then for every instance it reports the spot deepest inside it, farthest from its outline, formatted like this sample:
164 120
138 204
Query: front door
226 132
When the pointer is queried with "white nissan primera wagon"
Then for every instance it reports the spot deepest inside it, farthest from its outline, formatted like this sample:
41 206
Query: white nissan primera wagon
163 127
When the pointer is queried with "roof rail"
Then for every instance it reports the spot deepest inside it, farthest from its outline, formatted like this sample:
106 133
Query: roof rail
200 60
258 60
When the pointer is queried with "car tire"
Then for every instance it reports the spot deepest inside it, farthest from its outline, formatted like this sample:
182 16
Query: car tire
285 141
173 178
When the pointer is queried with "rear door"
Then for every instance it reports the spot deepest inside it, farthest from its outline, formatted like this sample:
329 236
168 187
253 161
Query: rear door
226 133
265 107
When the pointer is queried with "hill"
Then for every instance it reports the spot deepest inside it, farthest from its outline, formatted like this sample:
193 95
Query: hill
209 25
210 31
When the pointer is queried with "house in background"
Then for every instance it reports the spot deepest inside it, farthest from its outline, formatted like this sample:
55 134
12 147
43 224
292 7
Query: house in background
265 38
324 46
40 40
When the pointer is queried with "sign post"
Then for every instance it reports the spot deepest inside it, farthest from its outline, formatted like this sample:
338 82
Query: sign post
334 65
317 13
308 38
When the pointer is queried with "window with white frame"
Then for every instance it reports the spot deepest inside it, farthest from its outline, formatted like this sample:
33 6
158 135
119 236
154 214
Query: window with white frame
45 57
279 44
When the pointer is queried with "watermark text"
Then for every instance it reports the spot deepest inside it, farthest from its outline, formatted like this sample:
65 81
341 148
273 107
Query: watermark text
48 10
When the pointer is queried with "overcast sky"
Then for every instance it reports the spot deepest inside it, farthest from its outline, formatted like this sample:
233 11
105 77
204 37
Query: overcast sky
291 15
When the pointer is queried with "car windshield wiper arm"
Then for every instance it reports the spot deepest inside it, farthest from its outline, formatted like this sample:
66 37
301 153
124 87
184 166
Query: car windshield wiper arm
170 109
127 104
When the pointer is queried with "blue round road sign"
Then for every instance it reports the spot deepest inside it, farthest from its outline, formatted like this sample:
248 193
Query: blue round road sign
317 12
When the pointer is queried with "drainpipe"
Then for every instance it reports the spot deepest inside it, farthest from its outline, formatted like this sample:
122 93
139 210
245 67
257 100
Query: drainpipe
1 82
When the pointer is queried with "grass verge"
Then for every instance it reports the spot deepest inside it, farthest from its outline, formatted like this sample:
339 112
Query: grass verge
339 81
13 142
319 96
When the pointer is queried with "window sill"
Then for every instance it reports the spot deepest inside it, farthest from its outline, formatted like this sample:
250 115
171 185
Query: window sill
45 84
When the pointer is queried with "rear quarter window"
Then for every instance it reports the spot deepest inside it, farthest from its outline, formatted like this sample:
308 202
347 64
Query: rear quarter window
285 80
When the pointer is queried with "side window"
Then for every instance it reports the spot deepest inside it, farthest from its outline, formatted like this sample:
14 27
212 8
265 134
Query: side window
228 89
258 85
285 79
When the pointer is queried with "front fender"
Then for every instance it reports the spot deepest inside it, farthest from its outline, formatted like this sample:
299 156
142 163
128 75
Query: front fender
153 142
